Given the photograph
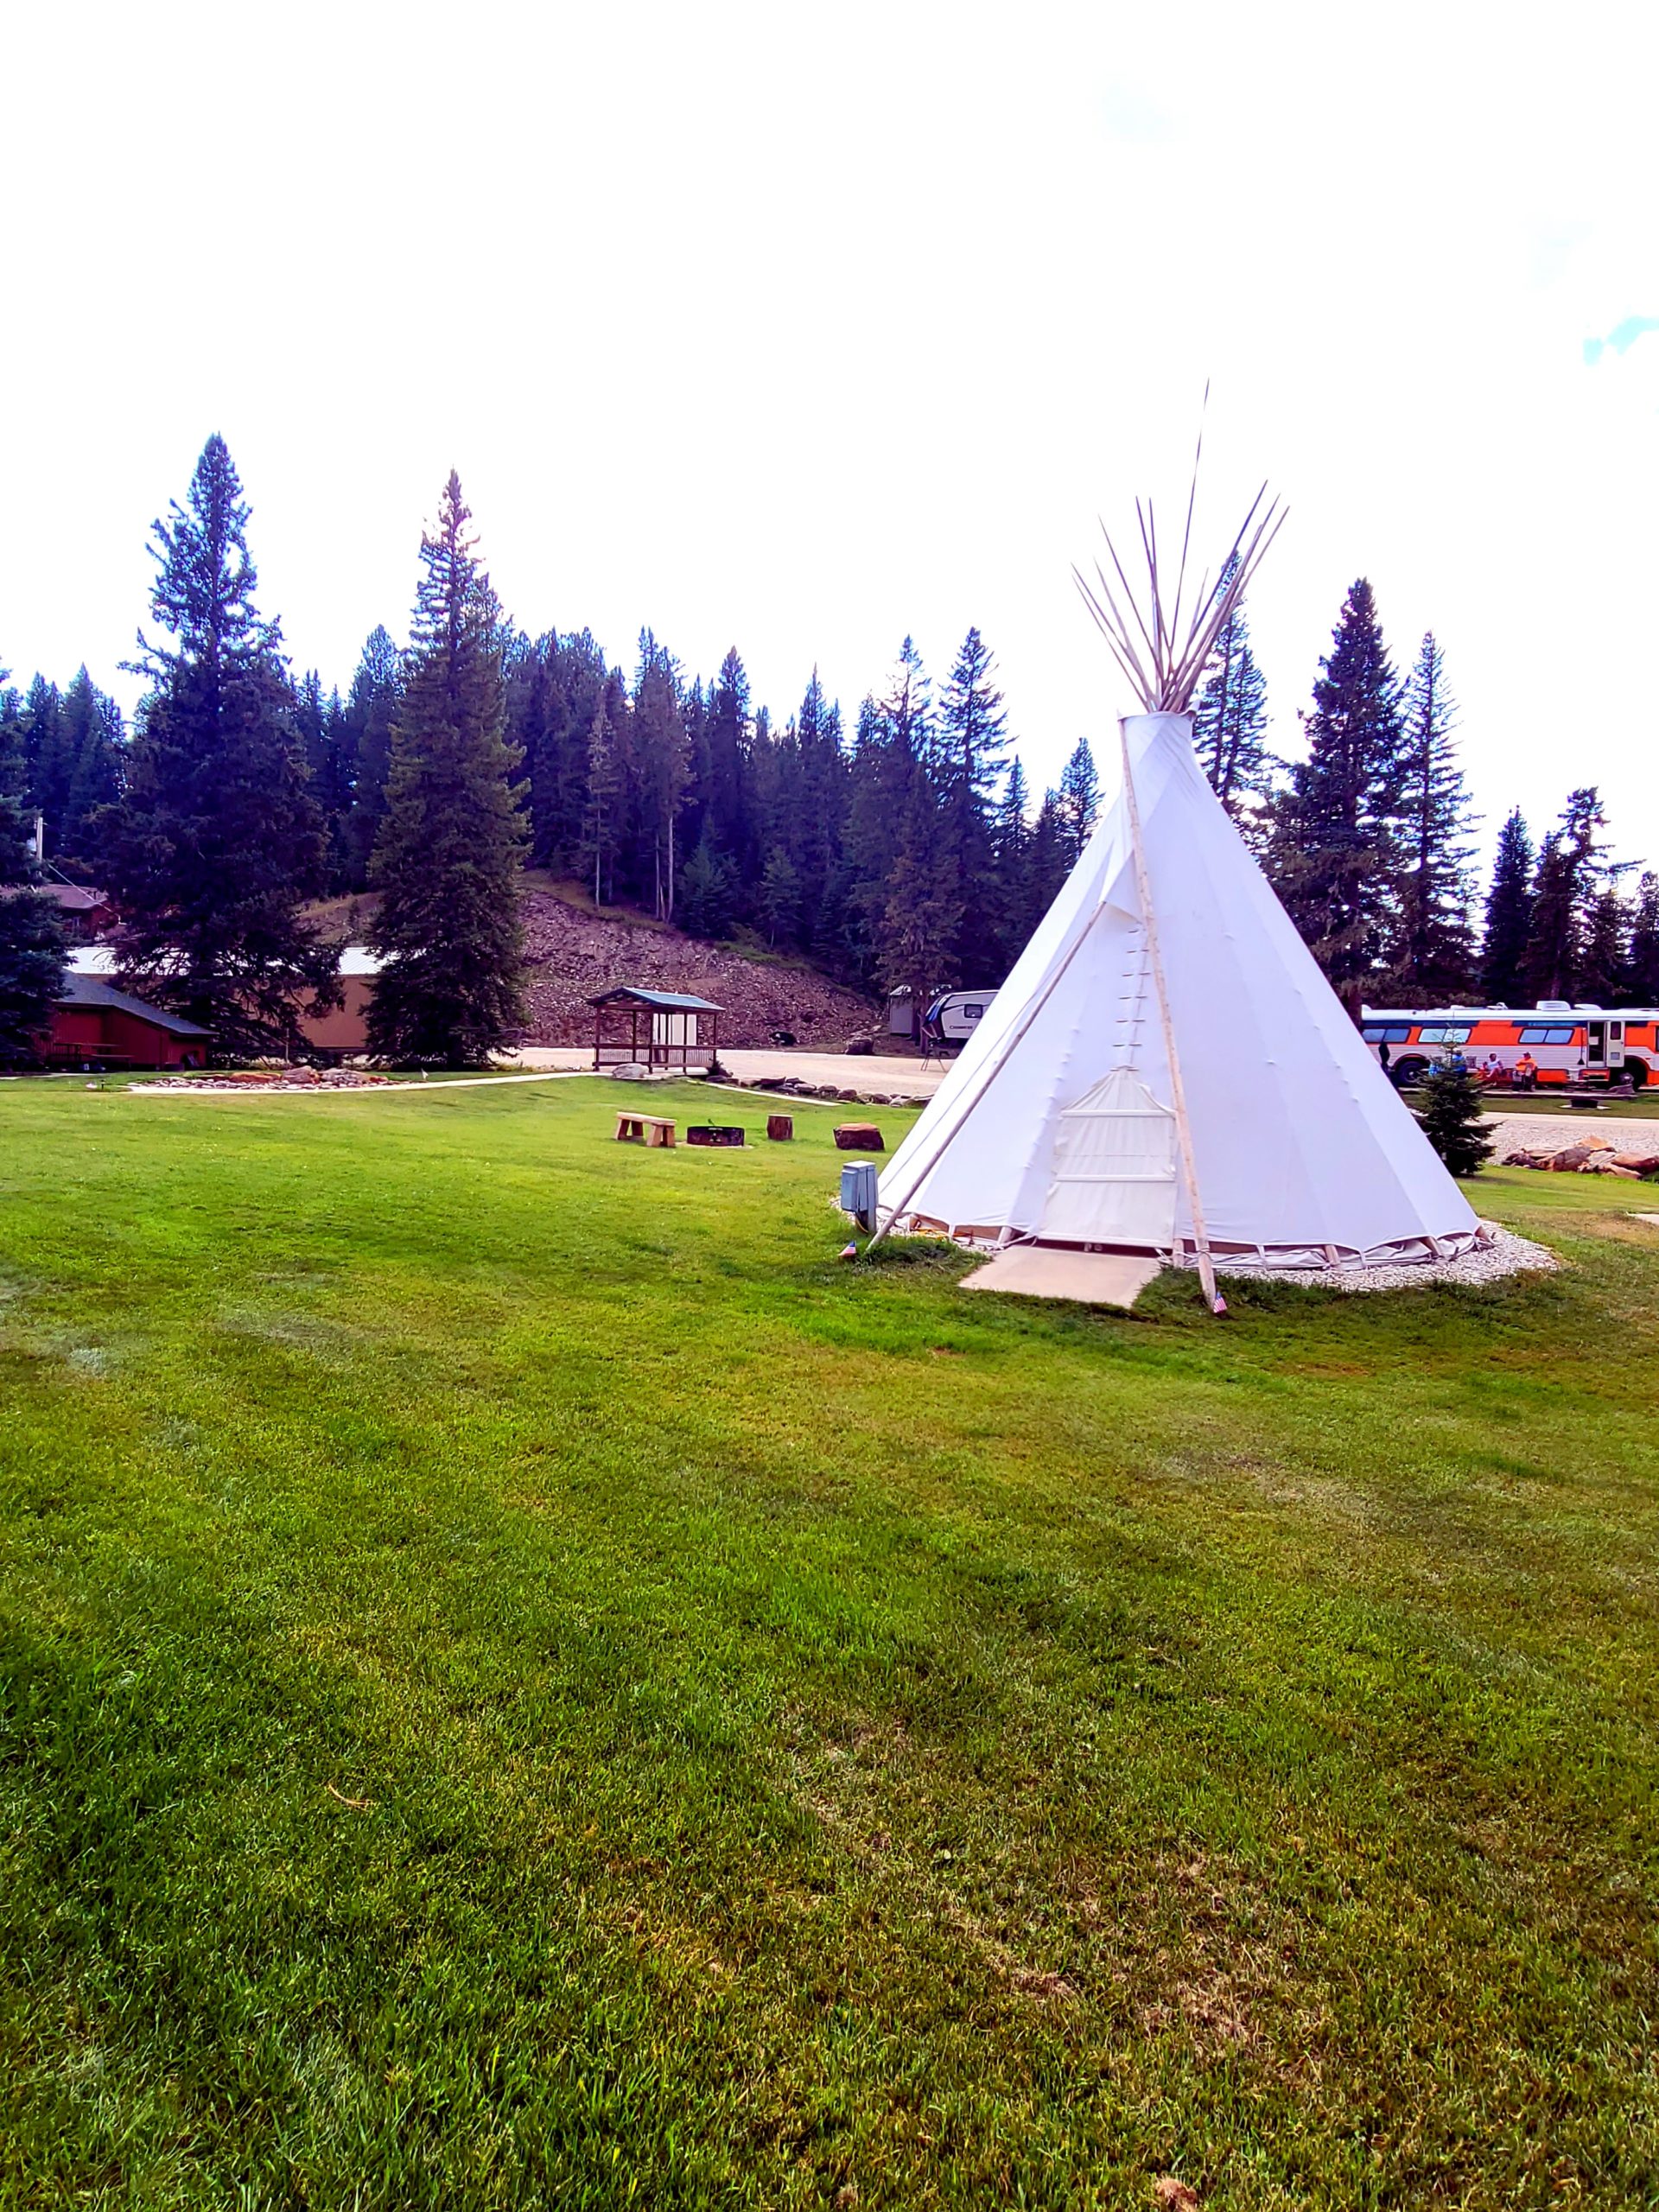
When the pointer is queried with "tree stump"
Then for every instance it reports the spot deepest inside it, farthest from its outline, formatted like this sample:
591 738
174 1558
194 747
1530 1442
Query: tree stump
780 1127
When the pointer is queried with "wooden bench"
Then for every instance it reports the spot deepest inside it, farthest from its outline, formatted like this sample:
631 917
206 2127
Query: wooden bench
648 1129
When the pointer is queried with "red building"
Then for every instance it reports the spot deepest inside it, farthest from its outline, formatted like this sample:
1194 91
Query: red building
93 1025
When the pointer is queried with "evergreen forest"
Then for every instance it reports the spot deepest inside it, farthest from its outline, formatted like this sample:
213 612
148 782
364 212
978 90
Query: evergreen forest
898 844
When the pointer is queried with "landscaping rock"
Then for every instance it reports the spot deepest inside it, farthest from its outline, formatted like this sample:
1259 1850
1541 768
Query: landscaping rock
1569 1161
858 1136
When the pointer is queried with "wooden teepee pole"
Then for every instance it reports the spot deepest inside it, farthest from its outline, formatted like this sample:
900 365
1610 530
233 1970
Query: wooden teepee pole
1178 1095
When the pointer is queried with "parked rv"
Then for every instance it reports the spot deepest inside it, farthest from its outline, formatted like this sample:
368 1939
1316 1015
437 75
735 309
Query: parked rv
952 1019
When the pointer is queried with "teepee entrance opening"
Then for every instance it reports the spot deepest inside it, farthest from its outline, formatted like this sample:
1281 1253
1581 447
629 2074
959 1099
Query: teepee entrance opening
1114 1169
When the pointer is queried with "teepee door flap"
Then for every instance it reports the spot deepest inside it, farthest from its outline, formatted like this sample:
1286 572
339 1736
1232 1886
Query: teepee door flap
1114 1169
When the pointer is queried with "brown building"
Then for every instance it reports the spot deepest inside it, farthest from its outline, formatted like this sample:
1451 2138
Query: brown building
93 1025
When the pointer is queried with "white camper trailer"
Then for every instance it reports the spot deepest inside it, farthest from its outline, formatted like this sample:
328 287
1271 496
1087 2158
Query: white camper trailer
953 1018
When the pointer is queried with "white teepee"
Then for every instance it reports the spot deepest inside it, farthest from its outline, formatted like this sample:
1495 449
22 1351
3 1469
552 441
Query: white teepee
1166 1070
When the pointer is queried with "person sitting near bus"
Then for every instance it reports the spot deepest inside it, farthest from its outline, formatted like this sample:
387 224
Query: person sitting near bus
1526 1072
1493 1070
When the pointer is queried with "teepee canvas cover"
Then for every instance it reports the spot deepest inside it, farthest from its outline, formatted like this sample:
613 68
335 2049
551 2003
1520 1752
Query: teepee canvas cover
1064 1121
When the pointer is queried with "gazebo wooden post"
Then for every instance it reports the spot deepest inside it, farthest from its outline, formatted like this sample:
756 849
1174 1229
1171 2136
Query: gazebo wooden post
713 1039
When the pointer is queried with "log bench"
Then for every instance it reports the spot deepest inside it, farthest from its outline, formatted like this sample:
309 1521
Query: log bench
649 1129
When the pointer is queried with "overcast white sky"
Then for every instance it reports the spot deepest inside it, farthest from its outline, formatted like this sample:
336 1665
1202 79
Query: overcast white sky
803 328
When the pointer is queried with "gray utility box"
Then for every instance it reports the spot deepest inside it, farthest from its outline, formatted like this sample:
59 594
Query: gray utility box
858 1186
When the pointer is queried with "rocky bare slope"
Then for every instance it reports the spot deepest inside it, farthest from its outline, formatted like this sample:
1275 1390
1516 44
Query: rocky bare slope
572 954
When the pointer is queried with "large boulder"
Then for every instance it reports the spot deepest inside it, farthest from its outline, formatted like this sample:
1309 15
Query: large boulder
1569 1161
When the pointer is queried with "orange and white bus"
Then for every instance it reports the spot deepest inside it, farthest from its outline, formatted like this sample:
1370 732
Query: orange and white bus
1568 1044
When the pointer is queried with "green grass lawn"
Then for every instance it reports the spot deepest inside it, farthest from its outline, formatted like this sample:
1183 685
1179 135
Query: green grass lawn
525 1682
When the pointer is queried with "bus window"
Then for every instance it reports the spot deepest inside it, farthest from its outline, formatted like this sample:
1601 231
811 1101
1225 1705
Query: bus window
1393 1033
1537 1034
1455 1034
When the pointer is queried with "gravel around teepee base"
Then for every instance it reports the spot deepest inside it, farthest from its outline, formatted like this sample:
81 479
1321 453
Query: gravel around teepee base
1507 1254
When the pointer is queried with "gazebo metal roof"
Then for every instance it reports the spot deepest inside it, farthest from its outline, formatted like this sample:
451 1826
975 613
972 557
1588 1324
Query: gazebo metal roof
662 1002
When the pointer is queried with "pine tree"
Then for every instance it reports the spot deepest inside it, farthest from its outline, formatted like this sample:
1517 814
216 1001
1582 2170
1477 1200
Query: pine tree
1332 856
445 863
662 763
602 823
32 958
921 915
1011 836
778 900
890 800
971 745
1572 872
1641 986
705 895
1077 801
1050 859
326 742
48 758
215 841
1509 916
1605 958
1433 955
96 741
370 709
1230 726
818 841
1452 1120
727 811
1553 944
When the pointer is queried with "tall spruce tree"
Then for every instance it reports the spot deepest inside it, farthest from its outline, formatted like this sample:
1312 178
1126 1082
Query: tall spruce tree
1012 839
971 746
1433 953
1605 959
819 826
326 743
1572 872
1050 856
32 956
446 861
215 842
1230 726
1509 916
1332 856
95 740
602 824
1078 800
1640 985
663 765
369 709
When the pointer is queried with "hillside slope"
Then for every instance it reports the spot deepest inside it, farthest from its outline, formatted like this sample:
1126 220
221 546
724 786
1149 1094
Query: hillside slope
571 954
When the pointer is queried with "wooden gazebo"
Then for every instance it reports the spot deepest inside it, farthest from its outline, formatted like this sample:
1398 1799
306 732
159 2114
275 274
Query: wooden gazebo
657 1029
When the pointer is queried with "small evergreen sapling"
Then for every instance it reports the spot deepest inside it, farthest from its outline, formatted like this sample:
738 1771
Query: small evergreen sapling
1452 1118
